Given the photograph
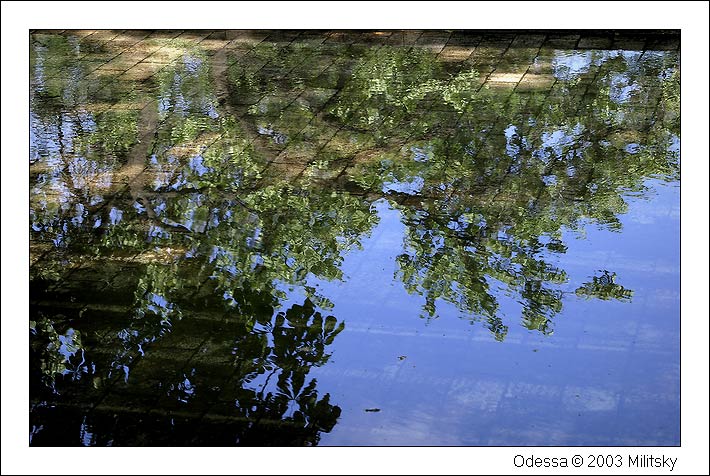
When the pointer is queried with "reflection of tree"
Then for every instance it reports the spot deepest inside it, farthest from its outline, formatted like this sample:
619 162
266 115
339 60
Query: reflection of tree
224 183
390 85
486 185
269 399
604 287
201 224
54 355
298 341
486 207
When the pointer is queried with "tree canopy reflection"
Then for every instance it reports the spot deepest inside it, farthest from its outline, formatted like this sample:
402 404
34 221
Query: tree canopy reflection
224 188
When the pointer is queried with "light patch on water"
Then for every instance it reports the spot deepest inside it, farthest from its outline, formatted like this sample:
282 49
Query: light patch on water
410 187
621 88
589 399
115 215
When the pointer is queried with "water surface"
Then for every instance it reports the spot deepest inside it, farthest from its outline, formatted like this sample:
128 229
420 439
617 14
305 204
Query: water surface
383 238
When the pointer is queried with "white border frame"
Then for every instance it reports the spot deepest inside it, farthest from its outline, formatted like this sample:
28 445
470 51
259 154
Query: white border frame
19 17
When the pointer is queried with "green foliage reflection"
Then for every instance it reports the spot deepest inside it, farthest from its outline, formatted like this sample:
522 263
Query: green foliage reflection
227 183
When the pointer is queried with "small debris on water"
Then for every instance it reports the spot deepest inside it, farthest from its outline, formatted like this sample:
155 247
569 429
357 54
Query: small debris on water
372 409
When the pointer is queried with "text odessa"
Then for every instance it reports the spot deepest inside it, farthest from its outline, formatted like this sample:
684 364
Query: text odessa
531 462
